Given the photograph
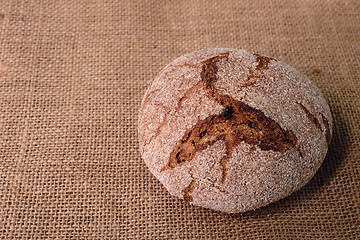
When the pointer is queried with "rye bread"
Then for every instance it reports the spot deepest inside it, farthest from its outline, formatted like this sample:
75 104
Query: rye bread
233 131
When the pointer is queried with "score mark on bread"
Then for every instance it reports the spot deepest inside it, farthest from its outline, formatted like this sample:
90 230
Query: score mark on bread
238 122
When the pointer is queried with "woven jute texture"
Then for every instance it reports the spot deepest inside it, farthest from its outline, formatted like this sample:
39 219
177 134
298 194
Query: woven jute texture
72 76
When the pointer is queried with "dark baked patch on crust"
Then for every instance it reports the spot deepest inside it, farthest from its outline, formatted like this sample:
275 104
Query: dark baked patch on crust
262 61
262 64
327 129
237 123
188 191
311 117
316 121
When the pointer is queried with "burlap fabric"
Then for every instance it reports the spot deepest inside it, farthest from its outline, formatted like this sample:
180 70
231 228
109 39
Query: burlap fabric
73 73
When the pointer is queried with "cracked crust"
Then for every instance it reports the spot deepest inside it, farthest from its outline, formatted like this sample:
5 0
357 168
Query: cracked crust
237 123
311 117
233 131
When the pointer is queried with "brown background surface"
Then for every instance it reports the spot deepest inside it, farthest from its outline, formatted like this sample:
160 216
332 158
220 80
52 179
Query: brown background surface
73 73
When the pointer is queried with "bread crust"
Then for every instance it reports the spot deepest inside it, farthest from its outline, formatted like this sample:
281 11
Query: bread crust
233 131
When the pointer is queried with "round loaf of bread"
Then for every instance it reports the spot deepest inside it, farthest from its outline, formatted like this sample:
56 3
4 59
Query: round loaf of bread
233 131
